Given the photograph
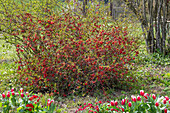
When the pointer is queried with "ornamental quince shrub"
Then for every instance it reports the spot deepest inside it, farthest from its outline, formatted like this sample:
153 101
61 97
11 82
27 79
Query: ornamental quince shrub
68 53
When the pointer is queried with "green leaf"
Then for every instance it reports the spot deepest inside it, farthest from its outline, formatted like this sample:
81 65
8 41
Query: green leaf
1 104
59 110
167 88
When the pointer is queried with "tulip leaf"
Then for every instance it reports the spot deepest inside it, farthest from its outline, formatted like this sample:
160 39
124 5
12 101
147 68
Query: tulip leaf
1 104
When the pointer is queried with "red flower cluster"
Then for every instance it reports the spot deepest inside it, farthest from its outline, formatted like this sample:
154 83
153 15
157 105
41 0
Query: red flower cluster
30 105
64 52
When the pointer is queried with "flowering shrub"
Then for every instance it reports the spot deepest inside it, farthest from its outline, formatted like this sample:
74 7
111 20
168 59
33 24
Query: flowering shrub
152 104
60 53
24 102
67 53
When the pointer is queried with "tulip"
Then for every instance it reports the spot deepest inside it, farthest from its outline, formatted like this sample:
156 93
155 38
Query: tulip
100 102
141 92
8 95
129 104
3 95
167 98
21 90
134 99
146 96
13 93
22 95
154 96
12 89
116 103
123 102
112 103
156 104
138 98
164 101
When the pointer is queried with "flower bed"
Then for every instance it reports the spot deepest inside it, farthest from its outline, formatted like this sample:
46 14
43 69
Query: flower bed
142 103
24 102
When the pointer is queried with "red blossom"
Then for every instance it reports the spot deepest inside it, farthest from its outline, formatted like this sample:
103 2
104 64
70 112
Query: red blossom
154 96
156 104
22 95
129 104
3 95
167 98
112 103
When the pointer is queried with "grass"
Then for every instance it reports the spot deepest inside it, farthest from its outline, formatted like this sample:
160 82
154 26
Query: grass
7 65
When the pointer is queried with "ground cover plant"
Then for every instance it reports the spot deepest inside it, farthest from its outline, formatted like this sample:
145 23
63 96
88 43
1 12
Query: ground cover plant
72 56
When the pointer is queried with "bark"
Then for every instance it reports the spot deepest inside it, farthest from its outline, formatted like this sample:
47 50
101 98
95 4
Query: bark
84 7
163 28
145 26
111 8
150 6
158 41
155 16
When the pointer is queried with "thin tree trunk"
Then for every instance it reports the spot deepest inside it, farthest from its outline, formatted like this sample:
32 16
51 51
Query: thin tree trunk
158 38
145 26
163 28
155 16
84 7
111 8
150 6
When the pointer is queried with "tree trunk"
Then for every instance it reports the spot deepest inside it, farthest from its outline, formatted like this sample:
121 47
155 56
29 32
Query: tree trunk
84 7
111 8
153 18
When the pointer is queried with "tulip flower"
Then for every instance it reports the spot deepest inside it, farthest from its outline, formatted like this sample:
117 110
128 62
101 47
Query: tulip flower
129 104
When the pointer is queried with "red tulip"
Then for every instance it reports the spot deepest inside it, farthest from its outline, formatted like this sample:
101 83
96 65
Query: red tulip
112 103
8 95
100 102
13 93
129 104
138 98
141 92
116 103
165 110
134 99
154 96
164 101
156 104
167 98
22 95
3 95
21 90
123 102
12 89
146 95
